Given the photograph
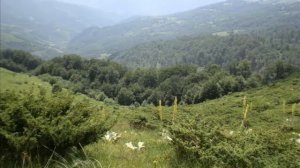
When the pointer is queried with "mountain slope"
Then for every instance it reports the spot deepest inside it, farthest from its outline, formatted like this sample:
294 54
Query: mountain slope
230 16
260 48
44 27
266 116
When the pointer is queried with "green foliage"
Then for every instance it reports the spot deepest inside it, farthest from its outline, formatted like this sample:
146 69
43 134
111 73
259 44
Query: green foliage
189 83
18 61
209 145
34 123
101 79
125 97
143 121
56 88
211 90
210 134
278 70
254 50
241 69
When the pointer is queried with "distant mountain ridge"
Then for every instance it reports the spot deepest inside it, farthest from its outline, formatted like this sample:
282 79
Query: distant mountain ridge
44 27
236 16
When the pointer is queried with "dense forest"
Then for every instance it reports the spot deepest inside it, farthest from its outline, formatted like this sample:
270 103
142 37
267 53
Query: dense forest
260 48
105 80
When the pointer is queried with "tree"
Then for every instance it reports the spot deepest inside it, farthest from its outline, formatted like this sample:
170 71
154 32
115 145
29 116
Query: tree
211 90
243 68
125 97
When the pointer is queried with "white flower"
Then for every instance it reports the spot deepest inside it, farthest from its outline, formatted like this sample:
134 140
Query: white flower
169 138
139 146
231 132
298 141
129 145
111 136
165 135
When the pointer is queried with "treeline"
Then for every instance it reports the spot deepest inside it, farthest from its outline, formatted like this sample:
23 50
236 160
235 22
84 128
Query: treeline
108 81
18 60
260 48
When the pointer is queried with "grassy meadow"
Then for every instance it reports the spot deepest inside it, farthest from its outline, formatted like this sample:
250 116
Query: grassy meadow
270 110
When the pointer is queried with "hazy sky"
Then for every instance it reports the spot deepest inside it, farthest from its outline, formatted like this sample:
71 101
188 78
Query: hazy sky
144 7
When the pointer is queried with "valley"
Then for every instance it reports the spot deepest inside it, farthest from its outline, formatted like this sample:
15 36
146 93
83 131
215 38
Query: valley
94 84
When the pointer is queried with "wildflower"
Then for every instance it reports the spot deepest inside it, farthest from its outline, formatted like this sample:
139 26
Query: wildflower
283 106
245 114
175 108
165 135
130 145
111 136
139 146
160 111
294 106
244 102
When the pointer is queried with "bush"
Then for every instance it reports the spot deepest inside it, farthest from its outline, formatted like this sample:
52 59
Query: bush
208 145
56 88
143 121
31 123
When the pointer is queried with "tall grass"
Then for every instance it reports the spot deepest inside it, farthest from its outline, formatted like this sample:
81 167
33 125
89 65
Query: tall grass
75 159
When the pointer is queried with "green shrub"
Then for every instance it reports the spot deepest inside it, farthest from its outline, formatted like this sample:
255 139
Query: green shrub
33 124
143 121
208 145
56 88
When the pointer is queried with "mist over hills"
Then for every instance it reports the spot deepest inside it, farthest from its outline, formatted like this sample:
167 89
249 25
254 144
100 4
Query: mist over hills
132 8
50 28
44 27
233 16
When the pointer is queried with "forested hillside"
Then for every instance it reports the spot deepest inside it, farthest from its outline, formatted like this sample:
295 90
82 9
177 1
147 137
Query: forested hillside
236 16
105 80
45 27
259 47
